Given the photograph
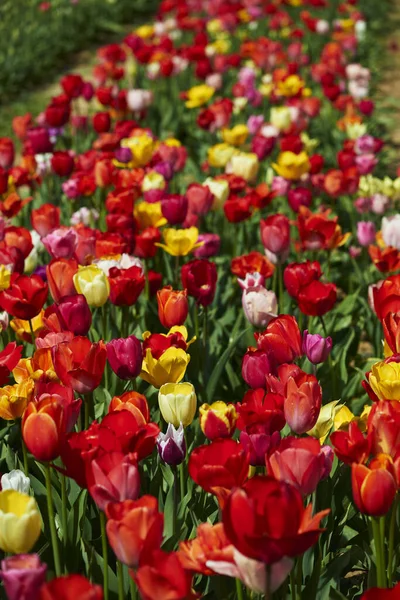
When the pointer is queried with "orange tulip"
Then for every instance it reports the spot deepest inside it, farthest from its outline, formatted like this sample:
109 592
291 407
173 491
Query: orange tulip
211 543
60 275
134 402
172 306
373 489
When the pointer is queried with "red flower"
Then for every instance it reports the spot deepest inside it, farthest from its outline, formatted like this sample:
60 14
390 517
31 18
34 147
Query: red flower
281 339
299 275
172 306
45 218
62 163
260 412
219 467
25 297
146 242
351 446
60 275
302 402
101 122
373 489
256 520
275 233
238 209
7 152
381 594
125 357
126 285
72 85
70 587
387 297
199 277
391 330
80 364
163 576
255 262
9 358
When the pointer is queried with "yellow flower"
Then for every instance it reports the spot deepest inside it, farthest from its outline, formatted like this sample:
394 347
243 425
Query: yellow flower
355 130
5 276
236 136
14 399
325 420
172 143
342 418
169 368
142 148
178 403
93 284
145 31
153 181
385 380
220 46
244 164
218 419
23 330
199 95
281 117
39 366
219 189
20 522
179 242
290 86
214 26
149 214
291 165
220 154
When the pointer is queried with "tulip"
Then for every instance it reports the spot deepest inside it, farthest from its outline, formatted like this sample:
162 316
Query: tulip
209 546
260 412
134 527
386 297
7 152
211 243
178 403
303 402
373 490
258 445
384 379
101 122
172 445
80 364
61 243
317 298
366 232
162 575
16 480
9 358
134 402
75 314
14 399
43 427
275 234
299 196
39 140
244 164
199 277
260 305
71 587
169 367
298 275
218 420
255 365
180 242
381 594
316 348
292 166
281 339
60 278
172 306
174 208
391 330
126 285
200 198
391 231
256 520
25 297
62 163
125 357
20 522
111 476
93 284
23 576
45 219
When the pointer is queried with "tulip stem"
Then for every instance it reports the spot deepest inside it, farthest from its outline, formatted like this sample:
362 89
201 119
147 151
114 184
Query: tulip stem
175 512
330 360
182 480
64 508
133 588
293 584
379 559
32 333
52 524
299 575
239 589
196 320
392 527
105 553
25 457
120 576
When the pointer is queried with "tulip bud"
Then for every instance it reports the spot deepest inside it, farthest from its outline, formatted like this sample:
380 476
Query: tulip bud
275 234
178 403
171 445
16 480
93 284
23 575
172 306
125 357
260 305
373 490
20 522
302 403
218 420
174 208
255 365
316 348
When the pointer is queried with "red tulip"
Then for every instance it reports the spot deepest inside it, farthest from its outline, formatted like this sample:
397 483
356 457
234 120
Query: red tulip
62 163
299 275
80 364
391 330
303 402
381 594
70 587
351 446
174 208
275 233
134 402
260 412
266 520
9 358
199 277
255 262
172 306
373 490
60 275
45 218
384 427
72 85
101 122
387 297
281 339
125 357
7 152
74 313
126 285
25 297
255 365
163 576
317 298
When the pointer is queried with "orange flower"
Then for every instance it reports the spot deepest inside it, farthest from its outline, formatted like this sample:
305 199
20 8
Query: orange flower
385 260
23 330
211 543
318 232
38 367
172 306
134 402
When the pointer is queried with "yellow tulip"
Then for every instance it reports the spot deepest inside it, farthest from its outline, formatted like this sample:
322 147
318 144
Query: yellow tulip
14 399
20 522
219 189
179 242
145 31
325 420
220 154
291 165
5 277
236 136
178 403
199 95
244 164
142 148
93 284
149 214
385 380
290 86
23 330
281 117
153 181
169 368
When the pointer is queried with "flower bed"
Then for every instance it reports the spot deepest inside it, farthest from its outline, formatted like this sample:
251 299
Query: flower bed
199 256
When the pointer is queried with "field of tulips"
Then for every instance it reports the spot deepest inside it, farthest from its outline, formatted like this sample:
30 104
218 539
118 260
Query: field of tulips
200 336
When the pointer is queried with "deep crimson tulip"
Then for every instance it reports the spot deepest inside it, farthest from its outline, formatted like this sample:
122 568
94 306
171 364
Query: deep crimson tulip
60 275
9 358
351 446
75 314
70 587
199 277
298 275
162 576
101 122
256 520
126 285
45 218
302 402
373 490
7 152
255 365
237 209
301 462
72 85
80 364
125 357
381 594
174 208
62 163
258 445
317 298
111 476
275 233
219 467
25 297
39 140
133 527
58 113
281 339
299 197
260 412
387 297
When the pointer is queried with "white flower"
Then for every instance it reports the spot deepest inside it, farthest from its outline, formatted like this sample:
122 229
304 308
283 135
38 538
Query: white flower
16 480
391 231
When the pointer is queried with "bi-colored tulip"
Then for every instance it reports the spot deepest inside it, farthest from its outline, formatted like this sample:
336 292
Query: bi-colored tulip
178 403
172 445
303 402
23 575
20 522
218 420
172 306
93 284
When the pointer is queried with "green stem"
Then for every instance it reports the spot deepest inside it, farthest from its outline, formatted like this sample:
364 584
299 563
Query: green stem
182 480
239 589
25 457
196 320
293 584
392 527
120 577
64 518
330 360
177 268
378 552
175 512
32 333
133 589
52 524
382 553
299 576
105 553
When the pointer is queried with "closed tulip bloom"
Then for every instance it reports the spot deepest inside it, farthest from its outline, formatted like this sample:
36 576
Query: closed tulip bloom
60 274
80 364
381 594
125 357
199 277
70 587
178 403
16 480
317 298
134 402
180 242
172 445
298 275
174 208
75 314
45 219
373 490
169 367
275 233
351 446
366 232
384 379
133 527
255 365
20 522
281 339
14 399
260 305
163 576
218 420
316 348
303 402
258 445
61 243
23 575
43 427
25 297
292 166
93 284
172 306
211 243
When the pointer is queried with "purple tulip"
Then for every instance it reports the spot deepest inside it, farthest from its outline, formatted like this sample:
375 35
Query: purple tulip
171 445
316 348
23 575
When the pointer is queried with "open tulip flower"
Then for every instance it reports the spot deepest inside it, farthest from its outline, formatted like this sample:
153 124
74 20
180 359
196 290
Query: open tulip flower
200 307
